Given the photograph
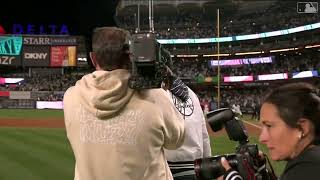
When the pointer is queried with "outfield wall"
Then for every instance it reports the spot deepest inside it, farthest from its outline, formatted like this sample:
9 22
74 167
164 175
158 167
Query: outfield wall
30 100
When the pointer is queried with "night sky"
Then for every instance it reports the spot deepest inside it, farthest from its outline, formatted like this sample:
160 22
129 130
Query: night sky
81 16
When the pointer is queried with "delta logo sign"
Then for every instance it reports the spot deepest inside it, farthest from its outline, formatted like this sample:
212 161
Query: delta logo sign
2 30
39 29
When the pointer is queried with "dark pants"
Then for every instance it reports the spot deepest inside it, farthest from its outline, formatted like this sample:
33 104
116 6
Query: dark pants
183 170
187 177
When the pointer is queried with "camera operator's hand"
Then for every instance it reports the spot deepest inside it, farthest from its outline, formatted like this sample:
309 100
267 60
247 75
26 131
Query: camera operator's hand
176 86
225 163
230 173
169 71
170 77
226 166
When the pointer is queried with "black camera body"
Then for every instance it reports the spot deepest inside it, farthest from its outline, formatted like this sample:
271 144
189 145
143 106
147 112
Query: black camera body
246 158
149 61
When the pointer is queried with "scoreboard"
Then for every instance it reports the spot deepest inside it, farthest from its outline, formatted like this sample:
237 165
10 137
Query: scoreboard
38 50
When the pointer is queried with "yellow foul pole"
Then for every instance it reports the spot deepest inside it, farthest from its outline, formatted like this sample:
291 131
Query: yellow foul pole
218 48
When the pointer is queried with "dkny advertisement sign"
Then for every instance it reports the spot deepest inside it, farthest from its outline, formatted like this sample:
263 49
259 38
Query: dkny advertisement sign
36 56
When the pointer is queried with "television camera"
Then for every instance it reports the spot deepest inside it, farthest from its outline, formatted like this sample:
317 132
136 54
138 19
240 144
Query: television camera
150 62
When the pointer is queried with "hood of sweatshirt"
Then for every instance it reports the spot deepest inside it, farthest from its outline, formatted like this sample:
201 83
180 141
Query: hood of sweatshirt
104 93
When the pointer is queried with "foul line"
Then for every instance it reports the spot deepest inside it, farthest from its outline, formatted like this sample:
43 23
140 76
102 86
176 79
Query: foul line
259 127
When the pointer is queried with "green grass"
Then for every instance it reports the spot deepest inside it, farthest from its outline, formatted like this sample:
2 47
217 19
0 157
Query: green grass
30 113
35 154
45 154
38 154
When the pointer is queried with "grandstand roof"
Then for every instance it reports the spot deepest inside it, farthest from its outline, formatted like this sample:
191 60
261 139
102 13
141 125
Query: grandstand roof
228 8
192 5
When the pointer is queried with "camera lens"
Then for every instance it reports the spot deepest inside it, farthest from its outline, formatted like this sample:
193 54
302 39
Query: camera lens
211 168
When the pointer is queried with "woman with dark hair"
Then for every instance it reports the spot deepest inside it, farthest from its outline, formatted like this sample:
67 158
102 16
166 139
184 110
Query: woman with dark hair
290 117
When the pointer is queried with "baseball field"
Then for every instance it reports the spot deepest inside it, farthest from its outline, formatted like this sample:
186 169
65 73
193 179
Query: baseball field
34 146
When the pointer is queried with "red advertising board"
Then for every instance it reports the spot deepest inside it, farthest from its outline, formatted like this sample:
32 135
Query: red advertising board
58 54
63 56
4 93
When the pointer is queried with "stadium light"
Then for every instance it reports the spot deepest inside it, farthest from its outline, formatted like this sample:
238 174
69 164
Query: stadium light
281 50
185 55
213 55
253 52
313 46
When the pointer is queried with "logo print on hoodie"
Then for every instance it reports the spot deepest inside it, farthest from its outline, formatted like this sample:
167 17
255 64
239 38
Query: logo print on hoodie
122 129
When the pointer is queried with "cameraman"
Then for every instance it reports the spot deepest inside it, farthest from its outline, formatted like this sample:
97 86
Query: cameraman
290 117
116 132
197 143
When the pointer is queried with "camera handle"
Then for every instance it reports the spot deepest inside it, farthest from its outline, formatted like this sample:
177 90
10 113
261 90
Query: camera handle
272 175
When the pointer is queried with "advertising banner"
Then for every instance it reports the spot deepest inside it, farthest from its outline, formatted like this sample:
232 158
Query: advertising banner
17 103
36 40
10 60
63 56
235 62
272 76
64 40
20 95
49 105
49 40
237 78
10 45
11 80
4 93
36 56
305 74
30 28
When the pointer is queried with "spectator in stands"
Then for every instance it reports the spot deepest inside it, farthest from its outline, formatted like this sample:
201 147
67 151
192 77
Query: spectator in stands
236 109
117 132
200 24
255 110
213 104
290 115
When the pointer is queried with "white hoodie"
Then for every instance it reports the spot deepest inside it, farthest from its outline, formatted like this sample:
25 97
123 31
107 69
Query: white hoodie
197 143
117 133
